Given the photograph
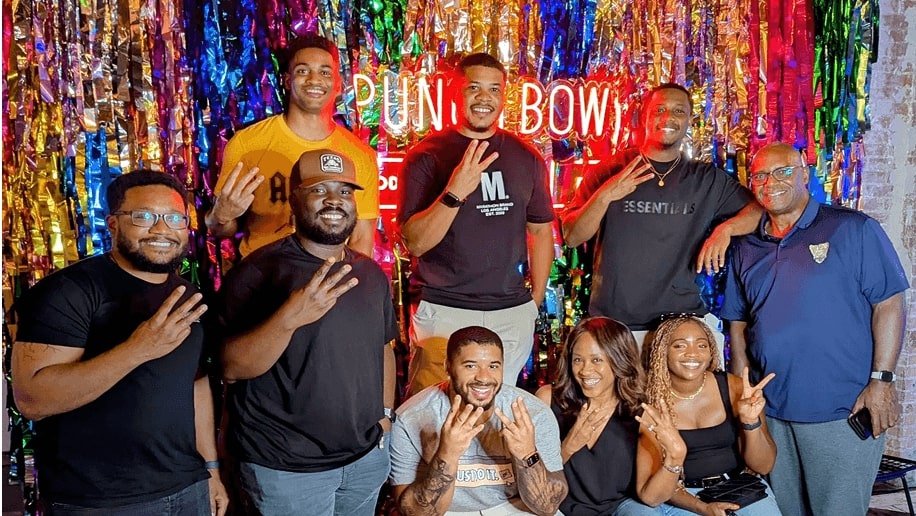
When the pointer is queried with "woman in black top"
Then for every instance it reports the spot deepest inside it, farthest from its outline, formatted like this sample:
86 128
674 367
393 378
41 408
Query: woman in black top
599 391
719 416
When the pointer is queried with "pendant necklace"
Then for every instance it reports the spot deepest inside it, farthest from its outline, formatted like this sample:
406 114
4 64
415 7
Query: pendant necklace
692 396
661 177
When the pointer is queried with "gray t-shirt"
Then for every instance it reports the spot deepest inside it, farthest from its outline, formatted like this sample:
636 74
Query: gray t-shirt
486 476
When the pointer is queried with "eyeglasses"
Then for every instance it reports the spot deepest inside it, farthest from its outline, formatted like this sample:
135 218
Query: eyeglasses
781 174
148 219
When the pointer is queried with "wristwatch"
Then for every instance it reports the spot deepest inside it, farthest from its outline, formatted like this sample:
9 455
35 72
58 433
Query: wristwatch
884 376
531 460
451 200
391 414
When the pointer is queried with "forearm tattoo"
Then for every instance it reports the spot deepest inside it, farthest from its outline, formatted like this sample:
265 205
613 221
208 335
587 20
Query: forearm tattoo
427 493
541 490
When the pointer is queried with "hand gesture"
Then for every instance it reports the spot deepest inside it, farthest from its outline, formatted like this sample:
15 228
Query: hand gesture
589 424
459 428
752 402
466 175
310 302
168 327
625 182
518 434
712 254
237 194
720 508
880 398
660 426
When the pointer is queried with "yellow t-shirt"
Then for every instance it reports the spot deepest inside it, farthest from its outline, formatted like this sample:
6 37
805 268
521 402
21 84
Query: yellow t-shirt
274 148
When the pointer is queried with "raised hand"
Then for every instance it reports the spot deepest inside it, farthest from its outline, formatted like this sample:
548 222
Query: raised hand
310 302
237 194
518 434
589 424
659 424
461 425
625 182
752 402
168 327
466 175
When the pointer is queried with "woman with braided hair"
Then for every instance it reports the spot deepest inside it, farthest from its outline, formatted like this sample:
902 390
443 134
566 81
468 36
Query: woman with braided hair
718 415
597 399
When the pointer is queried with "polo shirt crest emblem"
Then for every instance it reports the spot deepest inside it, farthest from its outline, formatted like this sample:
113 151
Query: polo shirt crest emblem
819 251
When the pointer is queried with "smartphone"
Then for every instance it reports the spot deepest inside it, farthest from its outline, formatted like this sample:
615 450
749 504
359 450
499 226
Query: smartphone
861 423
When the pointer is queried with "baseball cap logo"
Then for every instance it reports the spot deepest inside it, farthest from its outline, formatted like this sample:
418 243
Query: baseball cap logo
332 163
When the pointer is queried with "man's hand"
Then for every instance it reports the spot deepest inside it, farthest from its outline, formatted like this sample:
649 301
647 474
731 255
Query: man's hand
461 425
752 402
625 182
880 398
168 327
309 303
719 508
518 434
219 499
466 175
712 254
237 194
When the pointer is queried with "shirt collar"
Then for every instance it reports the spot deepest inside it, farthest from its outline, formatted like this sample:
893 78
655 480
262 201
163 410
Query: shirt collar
807 217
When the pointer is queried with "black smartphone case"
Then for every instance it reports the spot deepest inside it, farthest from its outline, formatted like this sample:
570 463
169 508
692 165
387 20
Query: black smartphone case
861 423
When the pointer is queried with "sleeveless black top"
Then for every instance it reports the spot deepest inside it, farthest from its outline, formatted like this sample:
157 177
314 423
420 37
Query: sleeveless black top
714 450
600 478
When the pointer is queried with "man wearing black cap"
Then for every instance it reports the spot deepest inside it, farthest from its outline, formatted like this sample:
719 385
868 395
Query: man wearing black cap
308 325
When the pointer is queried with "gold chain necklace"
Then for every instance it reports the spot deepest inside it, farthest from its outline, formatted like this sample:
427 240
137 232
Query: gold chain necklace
661 177
692 396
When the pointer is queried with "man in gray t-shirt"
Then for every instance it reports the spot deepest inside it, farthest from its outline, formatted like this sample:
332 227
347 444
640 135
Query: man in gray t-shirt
471 443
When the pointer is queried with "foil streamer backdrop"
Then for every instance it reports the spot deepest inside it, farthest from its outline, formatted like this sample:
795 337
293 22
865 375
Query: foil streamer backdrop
95 89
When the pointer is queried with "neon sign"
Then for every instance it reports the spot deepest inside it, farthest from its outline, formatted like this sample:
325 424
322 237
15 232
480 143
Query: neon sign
417 103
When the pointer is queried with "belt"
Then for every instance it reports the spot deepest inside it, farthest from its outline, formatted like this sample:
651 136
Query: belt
713 480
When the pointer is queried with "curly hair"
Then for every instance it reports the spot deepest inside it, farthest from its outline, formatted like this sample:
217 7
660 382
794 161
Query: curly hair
618 344
658 389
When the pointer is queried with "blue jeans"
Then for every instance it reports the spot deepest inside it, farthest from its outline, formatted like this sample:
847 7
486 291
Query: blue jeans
348 491
193 500
631 507
764 507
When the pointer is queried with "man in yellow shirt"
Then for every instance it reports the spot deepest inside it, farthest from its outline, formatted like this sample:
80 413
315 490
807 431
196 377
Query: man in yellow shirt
252 192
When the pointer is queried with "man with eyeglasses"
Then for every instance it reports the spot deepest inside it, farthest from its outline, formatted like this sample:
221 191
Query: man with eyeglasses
815 295
308 325
649 209
108 364
253 189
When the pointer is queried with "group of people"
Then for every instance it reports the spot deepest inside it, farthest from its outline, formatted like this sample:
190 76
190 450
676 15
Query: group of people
114 354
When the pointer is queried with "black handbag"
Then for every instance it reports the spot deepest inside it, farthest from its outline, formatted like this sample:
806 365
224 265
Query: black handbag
741 490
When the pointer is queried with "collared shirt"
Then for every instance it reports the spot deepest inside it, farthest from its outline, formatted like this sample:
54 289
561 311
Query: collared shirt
807 300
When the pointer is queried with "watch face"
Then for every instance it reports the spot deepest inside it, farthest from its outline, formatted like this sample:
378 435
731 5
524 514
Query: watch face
451 200
533 459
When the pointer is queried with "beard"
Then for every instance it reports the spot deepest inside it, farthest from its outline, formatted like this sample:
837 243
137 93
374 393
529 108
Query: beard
316 233
465 393
131 252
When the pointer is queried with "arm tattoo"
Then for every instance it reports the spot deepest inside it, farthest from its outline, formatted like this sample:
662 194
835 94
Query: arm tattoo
427 493
541 490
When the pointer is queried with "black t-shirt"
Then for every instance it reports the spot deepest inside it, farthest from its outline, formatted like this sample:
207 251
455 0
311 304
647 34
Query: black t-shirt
600 478
317 408
136 442
647 244
477 265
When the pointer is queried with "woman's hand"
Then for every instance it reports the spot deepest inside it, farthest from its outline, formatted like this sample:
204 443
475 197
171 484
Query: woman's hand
658 423
751 403
588 426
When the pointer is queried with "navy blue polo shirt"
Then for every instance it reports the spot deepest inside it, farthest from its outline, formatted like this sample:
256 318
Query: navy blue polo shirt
807 300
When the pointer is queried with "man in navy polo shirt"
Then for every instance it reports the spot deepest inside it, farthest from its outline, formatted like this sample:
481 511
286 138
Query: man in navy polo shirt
816 296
